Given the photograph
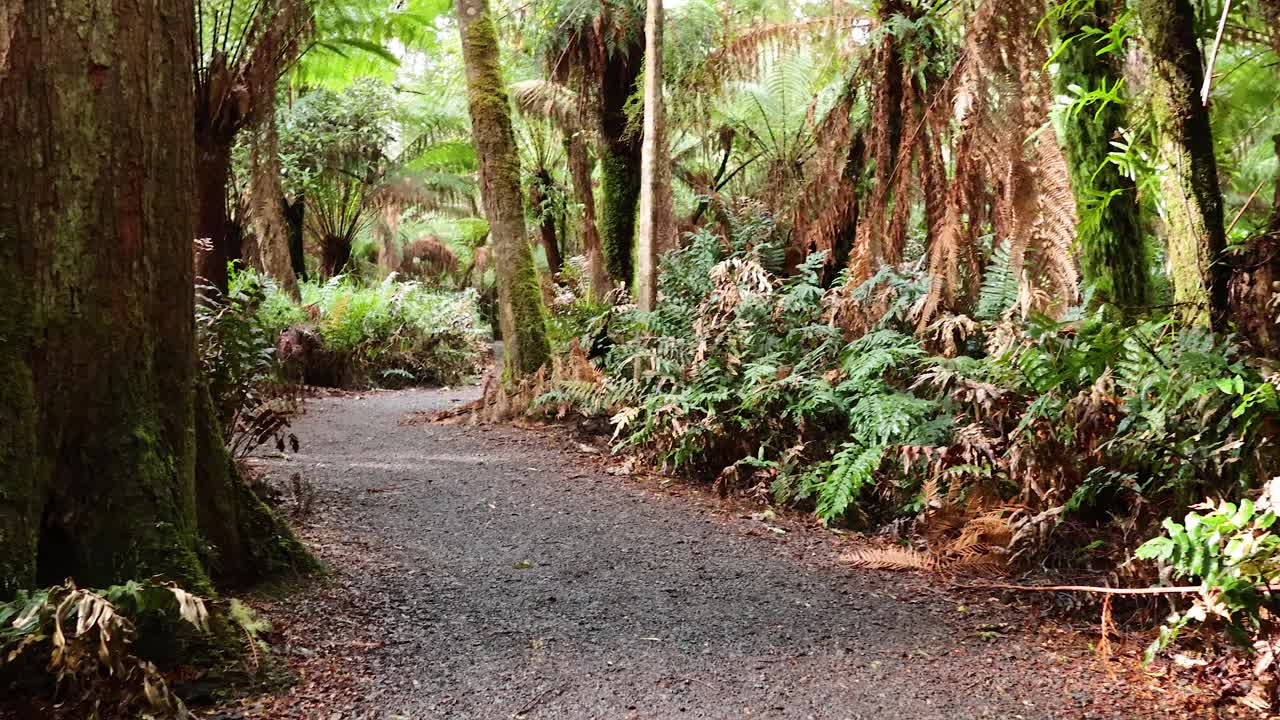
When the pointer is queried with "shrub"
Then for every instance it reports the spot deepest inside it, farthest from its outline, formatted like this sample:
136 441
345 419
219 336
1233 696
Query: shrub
397 333
83 638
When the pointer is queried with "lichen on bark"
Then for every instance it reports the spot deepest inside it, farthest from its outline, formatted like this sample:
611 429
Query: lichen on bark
521 316
1195 231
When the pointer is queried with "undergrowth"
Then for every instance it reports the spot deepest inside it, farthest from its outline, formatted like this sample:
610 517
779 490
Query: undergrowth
390 334
999 440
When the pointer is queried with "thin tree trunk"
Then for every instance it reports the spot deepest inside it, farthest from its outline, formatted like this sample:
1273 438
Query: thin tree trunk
521 317
213 225
1192 196
657 226
580 169
295 214
546 222
1112 247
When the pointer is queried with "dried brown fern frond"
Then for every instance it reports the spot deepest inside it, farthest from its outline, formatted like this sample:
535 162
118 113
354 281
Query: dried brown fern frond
741 56
553 101
892 557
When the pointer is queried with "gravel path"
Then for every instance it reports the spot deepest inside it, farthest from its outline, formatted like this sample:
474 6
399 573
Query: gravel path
498 572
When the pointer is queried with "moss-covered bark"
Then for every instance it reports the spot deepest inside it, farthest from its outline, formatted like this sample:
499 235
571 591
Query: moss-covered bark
1112 248
620 146
98 452
1192 196
620 199
244 541
94 193
521 316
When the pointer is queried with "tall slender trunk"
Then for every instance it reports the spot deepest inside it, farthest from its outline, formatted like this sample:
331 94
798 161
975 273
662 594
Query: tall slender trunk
657 225
213 224
1192 196
580 170
521 317
1112 247
295 214
619 161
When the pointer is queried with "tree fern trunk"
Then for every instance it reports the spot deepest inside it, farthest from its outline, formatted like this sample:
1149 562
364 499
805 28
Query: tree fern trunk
521 317
619 160
580 169
1192 196
1112 248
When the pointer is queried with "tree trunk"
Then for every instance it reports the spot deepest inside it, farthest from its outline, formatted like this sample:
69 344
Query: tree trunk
521 317
98 456
619 161
295 214
335 253
546 222
1192 197
213 224
97 466
264 215
657 225
1112 247
580 169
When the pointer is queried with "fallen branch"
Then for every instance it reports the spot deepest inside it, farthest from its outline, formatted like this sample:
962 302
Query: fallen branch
1175 590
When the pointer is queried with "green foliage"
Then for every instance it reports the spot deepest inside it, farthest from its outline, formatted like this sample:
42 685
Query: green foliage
741 373
397 333
82 639
235 348
1232 553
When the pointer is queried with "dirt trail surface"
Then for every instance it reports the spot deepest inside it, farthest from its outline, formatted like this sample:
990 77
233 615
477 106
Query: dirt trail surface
497 572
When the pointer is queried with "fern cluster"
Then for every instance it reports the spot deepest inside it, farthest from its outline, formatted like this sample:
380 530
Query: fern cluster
744 376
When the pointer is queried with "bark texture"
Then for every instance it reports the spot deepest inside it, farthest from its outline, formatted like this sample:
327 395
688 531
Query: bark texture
521 317
657 224
101 431
1192 196
580 170
1112 247
97 466
619 160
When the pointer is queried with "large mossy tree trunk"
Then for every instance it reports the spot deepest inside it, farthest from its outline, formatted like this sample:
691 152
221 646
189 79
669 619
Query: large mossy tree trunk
619 160
1112 248
521 317
1196 235
99 449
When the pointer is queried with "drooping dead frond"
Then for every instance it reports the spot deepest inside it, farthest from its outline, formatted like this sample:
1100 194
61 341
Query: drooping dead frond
1008 169
740 57
828 206
553 101
428 257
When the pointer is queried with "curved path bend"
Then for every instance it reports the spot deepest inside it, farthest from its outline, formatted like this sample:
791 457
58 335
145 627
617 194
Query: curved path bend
495 572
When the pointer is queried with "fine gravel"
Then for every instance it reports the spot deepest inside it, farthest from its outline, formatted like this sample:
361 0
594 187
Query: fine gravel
500 572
